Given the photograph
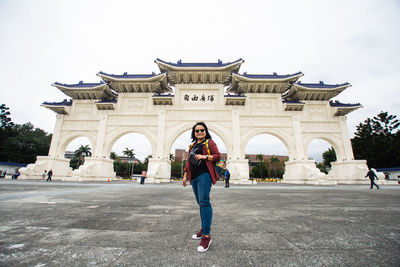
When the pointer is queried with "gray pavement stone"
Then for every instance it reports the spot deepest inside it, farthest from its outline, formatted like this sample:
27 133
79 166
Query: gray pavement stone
126 224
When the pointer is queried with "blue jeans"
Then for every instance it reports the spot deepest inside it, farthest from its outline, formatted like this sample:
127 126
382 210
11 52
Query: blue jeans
201 187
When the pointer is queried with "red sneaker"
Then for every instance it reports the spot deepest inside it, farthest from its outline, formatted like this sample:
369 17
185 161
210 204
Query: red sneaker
204 244
198 235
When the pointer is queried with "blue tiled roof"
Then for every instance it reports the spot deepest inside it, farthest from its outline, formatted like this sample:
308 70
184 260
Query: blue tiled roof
63 103
129 76
108 101
292 101
269 76
13 164
234 95
393 169
81 84
320 85
338 104
163 95
179 63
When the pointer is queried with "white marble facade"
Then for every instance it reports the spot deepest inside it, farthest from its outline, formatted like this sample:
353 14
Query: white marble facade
234 108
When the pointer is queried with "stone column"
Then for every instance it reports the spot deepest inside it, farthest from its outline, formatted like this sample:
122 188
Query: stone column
54 150
159 169
237 166
348 170
348 150
55 160
98 166
301 170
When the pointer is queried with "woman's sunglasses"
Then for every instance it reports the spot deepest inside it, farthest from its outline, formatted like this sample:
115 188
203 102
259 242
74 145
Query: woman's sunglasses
201 130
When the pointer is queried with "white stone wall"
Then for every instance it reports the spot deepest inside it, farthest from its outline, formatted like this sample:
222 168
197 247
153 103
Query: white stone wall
235 125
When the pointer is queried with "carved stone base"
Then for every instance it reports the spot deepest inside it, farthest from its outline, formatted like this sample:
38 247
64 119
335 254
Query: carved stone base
60 167
349 172
239 170
97 169
304 172
159 171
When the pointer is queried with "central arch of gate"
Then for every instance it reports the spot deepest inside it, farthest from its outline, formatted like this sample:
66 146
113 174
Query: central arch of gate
234 106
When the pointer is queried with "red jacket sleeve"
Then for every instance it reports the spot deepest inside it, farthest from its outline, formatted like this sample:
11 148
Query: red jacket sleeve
214 150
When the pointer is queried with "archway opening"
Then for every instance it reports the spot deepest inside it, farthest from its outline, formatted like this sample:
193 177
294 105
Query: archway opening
267 155
77 150
323 153
179 153
131 153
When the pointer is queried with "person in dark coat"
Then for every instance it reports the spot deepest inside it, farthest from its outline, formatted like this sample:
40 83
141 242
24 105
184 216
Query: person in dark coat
49 174
227 177
371 174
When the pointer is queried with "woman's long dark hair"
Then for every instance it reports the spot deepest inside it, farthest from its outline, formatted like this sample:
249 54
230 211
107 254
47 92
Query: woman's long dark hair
208 136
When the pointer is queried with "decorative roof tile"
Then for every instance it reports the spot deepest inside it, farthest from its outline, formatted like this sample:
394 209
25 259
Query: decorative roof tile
269 76
130 76
338 104
81 84
65 102
321 84
179 63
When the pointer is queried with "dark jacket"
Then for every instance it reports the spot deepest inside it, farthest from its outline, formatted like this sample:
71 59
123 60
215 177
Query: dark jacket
371 174
214 152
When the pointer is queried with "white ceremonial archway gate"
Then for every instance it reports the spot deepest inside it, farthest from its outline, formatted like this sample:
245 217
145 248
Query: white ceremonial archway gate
235 106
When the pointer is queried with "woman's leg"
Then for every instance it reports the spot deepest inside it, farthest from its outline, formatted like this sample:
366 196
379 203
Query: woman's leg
204 188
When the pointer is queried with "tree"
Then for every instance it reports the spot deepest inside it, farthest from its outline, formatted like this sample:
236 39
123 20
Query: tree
80 155
329 156
378 141
257 169
129 153
6 124
171 157
274 163
322 167
113 156
260 158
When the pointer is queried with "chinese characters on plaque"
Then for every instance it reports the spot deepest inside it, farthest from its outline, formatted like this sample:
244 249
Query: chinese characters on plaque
199 98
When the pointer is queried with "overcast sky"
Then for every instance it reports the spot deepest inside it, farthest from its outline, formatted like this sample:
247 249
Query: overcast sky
68 41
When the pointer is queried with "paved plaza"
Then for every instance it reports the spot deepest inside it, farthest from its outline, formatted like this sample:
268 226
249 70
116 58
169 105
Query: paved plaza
125 224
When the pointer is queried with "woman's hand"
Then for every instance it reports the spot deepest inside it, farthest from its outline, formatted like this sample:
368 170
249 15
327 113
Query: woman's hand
199 157
184 180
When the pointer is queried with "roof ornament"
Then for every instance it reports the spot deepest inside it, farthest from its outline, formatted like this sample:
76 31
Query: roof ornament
275 74
80 82
245 73
153 73
219 61
179 61
125 73
321 82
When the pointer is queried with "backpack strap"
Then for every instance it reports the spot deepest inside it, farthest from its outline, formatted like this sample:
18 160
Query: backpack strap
207 146
204 143
191 145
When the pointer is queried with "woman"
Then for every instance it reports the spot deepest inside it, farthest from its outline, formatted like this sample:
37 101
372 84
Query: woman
200 167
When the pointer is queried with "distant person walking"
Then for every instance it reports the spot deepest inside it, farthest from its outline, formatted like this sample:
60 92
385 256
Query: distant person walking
227 177
371 174
143 177
44 175
200 168
49 175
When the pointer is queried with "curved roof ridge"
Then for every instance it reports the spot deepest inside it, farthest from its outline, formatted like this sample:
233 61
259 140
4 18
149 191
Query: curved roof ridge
179 63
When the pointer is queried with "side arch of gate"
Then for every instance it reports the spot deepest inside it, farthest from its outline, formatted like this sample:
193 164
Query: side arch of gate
284 137
68 137
116 134
223 131
335 141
